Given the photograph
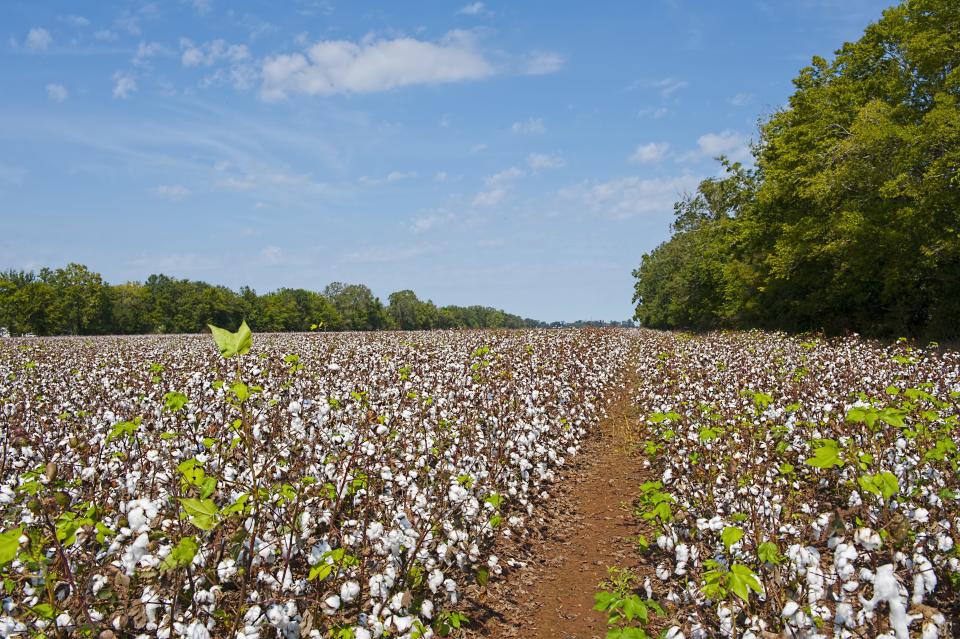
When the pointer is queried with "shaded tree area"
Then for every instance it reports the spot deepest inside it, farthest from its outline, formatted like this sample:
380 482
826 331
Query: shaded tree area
77 301
850 219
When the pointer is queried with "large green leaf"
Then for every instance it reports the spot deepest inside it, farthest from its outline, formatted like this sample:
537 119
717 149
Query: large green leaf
181 555
231 344
826 455
9 545
202 512
742 581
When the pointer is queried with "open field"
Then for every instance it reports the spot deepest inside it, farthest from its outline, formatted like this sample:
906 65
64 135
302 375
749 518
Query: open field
351 483
364 485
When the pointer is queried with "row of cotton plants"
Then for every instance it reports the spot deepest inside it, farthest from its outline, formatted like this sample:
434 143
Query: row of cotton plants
800 488
349 486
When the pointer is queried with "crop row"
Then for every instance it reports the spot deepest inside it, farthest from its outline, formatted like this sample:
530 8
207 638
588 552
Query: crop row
302 485
797 487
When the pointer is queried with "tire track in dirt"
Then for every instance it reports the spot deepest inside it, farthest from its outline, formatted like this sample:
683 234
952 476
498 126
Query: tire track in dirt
567 555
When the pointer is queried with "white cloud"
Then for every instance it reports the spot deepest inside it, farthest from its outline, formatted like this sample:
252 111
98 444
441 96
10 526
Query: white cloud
57 92
489 197
271 255
497 185
741 99
202 7
105 35
477 148
650 153
429 221
124 85
38 39
130 24
543 62
540 161
172 192
653 113
392 176
209 53
472 9
148 50
529 126
381 255
76 21
630 196
441 176
340 66
669 86
729 143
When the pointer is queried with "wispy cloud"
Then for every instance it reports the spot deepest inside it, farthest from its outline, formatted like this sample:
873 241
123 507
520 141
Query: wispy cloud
38 39
732 144
669 86
741 99
630 196
392 176
369 66
472 9
386 254
124 85
496 187
209 53
541 161
57 92
650 153
171 192
530 126
543 62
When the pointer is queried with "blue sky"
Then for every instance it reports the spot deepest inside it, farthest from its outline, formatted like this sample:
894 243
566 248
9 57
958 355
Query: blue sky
517 155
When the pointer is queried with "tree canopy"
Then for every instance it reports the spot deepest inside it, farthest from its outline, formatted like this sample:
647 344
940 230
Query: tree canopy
849 219
77 301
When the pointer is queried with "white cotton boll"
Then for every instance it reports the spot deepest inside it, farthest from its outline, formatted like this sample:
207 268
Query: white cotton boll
349 591
924 578
434 580
197 630
674 632
294 408
867 539
887 589
331 604
63 620
944 542
921 515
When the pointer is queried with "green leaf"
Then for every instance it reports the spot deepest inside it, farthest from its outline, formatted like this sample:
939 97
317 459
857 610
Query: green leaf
731 535
742 580
202 512
769 552
321 571
883 484
181 555
174 402
231 344
10 545
826 455
603 600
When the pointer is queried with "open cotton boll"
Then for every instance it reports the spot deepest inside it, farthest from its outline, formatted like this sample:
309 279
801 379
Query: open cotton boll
887 589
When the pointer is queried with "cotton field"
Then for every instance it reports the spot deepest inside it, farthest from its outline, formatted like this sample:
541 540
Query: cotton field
798 487
345 485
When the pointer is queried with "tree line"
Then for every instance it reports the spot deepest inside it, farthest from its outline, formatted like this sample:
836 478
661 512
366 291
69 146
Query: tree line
849 218
77 301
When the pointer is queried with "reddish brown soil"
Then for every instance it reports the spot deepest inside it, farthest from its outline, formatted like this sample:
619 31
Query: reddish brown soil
567 555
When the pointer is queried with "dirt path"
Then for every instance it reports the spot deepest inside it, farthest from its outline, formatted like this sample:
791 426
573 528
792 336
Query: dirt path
568 554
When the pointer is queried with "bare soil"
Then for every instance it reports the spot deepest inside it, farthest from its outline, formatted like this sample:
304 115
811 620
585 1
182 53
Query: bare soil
567 555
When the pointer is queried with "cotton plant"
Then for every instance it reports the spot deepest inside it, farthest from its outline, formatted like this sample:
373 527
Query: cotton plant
282 485
799 485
